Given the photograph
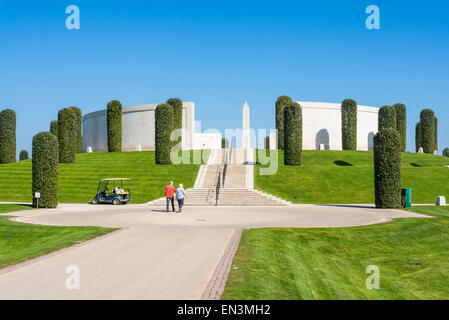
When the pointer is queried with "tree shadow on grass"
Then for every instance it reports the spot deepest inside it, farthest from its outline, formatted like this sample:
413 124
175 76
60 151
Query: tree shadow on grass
342 163
416 165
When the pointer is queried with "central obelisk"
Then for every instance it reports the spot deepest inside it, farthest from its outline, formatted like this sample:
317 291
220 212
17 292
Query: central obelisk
246 134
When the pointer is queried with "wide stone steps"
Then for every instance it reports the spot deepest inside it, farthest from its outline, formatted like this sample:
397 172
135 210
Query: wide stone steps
227 197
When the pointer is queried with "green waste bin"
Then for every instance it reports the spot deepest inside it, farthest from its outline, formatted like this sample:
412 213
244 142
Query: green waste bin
406 197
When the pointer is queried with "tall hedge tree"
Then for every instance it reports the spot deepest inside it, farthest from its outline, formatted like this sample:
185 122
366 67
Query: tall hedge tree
292 134
349 124
281 102
427 119
387 168
387 118
54 127
78 124
66 135
45 166
164 119
176 104
224 143
7 136
401 123
435 139
267 143
114 123
418 136
23 155
446 152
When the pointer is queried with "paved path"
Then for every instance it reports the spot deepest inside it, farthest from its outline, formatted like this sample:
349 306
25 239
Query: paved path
158 255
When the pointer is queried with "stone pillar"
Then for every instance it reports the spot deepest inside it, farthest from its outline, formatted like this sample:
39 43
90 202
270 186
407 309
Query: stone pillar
246 132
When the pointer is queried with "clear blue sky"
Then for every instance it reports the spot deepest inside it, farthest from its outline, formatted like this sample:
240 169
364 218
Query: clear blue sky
219 54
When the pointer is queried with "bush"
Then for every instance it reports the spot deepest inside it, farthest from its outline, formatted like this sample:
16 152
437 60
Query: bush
292 134
164 119
427 118
7 136
349 124
401 123
446 152
54 127
176 104
387 168
78 124
435 139
387 118
267 142
114 123
281 102
418 138
45 169
23 155
224 143
66 135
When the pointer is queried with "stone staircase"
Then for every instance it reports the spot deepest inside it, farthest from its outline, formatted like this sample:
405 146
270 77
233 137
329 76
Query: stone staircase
231 173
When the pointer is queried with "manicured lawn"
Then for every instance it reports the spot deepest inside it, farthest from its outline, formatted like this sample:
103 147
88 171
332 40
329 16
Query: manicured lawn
412 255
348 177
20 241
78 181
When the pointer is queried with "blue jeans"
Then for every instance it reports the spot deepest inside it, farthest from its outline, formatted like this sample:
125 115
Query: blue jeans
172 200
180 203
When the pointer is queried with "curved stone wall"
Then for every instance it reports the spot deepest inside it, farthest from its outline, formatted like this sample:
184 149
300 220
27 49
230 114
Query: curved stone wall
137 128
322 126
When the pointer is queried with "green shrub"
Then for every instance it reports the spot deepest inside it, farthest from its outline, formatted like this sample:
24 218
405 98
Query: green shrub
418 138
281 102
78 124
66 135
164 119
446 152
224 143
349 124
45 169
292 134
7 136
267 142
176 104
427 119
387 118
114 123
387 168
401 123
23 155
435 139
54 127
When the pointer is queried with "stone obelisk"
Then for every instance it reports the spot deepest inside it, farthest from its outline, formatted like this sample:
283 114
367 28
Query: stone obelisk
246 134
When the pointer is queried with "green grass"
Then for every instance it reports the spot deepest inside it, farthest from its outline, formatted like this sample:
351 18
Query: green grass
20 241
412 255
348 177
78 181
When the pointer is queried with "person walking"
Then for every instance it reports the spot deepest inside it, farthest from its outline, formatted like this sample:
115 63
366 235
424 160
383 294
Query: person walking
180 193
169 195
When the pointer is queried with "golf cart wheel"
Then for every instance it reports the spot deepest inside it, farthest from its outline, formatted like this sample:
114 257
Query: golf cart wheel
116 202
94 201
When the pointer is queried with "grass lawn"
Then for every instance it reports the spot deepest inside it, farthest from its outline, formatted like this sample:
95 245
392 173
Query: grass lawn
412 255
20 241
348 177
78 181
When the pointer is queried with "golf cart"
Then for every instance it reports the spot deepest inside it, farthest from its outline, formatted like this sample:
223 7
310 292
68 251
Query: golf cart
118 195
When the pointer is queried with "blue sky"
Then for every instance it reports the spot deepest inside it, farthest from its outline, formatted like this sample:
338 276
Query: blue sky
219 54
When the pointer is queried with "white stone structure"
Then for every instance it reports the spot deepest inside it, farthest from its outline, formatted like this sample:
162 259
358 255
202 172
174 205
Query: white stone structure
322 126
138 130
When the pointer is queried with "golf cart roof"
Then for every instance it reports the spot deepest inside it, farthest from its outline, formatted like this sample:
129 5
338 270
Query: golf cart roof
116 179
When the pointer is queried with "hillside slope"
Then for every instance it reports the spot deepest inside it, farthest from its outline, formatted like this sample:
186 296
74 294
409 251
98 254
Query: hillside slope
335 177
78 181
